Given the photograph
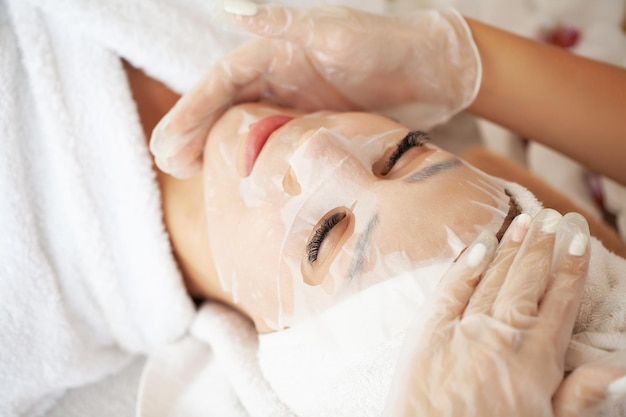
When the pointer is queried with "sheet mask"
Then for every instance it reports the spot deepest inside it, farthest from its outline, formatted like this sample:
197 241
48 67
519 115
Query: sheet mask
334 173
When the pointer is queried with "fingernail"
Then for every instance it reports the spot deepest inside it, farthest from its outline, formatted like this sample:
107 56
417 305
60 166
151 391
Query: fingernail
550 220
575 234
485 243
241 7
476 255
519 227
333 11
159 145
161 163
175 171
164 122
578 245
617 389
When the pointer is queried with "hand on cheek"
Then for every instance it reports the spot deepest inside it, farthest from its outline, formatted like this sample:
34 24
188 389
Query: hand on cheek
498 328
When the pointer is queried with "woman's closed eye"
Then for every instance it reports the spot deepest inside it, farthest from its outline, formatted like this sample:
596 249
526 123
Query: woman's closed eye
416 138
324 244
320 233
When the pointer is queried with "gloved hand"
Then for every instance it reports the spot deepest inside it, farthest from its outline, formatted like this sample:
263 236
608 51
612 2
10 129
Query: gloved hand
595 386
326 58
495 346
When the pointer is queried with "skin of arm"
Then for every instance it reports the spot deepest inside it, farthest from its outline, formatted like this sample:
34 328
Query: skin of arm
574 105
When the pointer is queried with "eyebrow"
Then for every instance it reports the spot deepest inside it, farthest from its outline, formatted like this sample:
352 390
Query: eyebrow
432 170
359 257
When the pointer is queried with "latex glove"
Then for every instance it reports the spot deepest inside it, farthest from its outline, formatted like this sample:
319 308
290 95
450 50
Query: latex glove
326 58
496 346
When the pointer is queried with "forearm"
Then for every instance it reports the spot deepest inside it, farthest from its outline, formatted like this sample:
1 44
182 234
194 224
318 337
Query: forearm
574 105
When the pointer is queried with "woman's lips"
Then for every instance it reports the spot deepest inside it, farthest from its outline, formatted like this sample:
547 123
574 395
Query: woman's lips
258 135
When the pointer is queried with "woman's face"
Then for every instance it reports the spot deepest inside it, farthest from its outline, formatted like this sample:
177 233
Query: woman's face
329 204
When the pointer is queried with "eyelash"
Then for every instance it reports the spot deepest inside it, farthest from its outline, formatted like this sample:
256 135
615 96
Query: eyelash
412 139
313 247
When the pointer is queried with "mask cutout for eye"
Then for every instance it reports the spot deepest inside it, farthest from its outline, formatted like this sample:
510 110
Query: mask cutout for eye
326 239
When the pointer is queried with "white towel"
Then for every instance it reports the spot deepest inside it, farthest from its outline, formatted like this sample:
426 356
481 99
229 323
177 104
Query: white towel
213 372
87 277
342 363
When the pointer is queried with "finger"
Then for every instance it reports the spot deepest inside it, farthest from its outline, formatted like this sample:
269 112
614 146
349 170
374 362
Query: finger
570 265
178 140
525 284
489 286
459 282
271 20
286 23
591 387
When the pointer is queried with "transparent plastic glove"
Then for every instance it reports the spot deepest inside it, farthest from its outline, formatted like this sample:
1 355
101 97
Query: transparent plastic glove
326 58
495 346
595 386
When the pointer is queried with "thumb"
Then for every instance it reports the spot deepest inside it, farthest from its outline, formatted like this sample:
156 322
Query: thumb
590 388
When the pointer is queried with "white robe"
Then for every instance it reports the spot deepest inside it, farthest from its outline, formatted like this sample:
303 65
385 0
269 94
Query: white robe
87 277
